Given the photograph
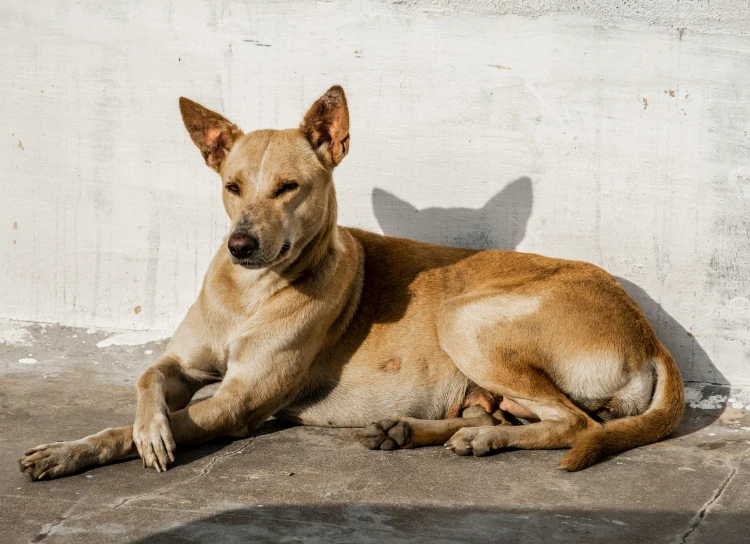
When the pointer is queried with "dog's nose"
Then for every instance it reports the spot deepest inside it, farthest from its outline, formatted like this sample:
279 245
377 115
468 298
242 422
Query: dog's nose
242 246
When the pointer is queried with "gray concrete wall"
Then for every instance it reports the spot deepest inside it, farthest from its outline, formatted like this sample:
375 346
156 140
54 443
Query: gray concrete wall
617 133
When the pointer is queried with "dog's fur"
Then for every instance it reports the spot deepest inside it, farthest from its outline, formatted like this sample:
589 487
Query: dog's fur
332 326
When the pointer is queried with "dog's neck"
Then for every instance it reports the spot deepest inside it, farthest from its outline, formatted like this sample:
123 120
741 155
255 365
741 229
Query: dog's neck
323 245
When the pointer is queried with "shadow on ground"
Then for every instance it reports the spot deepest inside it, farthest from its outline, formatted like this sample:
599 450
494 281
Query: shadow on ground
370 523
501 224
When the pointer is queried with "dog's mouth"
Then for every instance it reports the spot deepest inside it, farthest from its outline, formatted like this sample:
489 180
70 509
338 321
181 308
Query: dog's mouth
254 264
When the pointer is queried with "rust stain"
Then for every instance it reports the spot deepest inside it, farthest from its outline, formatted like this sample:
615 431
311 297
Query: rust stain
135 280
392 365
137 309
670 92
20 145
15 225
645 103
501 67
14 241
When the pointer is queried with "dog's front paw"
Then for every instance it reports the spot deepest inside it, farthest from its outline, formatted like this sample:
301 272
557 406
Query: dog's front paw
53 460
386 434
153 440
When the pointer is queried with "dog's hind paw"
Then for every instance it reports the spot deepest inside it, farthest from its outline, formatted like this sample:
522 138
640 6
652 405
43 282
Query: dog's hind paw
386 434
478 441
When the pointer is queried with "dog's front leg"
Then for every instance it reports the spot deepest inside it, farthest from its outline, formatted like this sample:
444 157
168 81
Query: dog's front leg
267 365
165 387
264 372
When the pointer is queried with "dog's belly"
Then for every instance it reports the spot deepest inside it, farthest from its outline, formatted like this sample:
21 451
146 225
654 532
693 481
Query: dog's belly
367 392
344 407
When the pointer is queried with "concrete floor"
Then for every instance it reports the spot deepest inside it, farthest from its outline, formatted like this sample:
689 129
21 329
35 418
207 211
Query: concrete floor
319 485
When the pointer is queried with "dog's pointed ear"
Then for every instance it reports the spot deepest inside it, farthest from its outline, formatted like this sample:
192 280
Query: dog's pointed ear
326 127
213 134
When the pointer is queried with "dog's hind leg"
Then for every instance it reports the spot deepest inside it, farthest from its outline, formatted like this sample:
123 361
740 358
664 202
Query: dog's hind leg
500 356
389 434
561 422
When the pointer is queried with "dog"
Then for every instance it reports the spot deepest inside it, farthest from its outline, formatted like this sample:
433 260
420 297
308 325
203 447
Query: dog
417 344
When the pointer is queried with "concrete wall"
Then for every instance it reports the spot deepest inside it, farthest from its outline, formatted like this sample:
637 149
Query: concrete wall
594 133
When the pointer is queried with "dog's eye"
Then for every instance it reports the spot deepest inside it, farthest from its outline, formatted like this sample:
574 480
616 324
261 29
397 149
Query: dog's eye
233 188
289 186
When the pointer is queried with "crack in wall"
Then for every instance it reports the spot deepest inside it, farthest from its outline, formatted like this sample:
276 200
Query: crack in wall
703 512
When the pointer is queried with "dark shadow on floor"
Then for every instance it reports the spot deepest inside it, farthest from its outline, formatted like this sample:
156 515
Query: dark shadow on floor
191 454
432 524
501 224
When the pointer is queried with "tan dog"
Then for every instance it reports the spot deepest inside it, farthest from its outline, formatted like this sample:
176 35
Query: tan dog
331 326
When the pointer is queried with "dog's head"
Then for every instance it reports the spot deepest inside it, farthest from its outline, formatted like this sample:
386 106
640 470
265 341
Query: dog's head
278 189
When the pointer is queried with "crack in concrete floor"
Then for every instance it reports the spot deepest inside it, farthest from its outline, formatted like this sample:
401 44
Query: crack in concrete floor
703 512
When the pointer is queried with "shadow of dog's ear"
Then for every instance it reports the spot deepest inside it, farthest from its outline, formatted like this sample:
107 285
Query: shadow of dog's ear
509 212
326 127
211 133
383 200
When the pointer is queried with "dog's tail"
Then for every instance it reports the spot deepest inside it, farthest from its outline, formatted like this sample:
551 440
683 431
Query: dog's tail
660 419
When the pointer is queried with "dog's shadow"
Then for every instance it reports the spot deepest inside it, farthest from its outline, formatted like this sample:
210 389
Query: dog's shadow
501 224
